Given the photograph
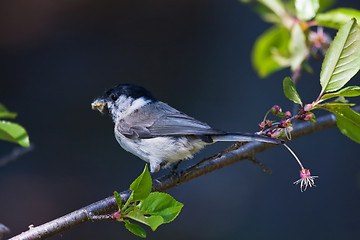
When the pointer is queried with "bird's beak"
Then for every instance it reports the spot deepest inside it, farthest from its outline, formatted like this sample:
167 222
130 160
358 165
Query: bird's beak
98 104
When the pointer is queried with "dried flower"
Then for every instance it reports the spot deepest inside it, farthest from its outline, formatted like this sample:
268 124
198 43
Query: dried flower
305 179
276 133
288 131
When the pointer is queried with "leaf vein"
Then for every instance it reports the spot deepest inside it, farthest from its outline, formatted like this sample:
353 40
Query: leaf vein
341 70
348 45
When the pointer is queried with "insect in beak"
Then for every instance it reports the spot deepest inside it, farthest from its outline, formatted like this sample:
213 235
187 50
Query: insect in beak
99 105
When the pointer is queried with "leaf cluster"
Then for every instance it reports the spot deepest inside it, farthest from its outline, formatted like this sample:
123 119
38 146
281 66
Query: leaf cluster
341 63
290 42
146 207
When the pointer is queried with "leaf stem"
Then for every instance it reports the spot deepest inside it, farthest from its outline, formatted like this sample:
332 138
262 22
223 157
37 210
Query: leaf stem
127 202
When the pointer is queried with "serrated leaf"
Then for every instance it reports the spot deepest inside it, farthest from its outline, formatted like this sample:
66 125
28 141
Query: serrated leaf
15 133
306 9
337 17
152 221
351 91
342 60
347 120
334 106
5 113
161 204
142 185
298 49
290 91
118 199
135 229
271 51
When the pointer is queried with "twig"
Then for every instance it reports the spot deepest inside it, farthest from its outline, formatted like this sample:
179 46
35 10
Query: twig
3 230
108 205
261 165
16 153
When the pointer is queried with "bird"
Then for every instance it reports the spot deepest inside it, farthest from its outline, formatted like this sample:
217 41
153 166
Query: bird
158 133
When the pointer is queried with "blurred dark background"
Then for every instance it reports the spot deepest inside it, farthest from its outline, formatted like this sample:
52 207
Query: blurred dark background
57 56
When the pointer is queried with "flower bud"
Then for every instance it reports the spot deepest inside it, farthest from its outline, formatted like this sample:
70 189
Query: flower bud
309 116
276 109
268 123
307 107
116 215
286 124
288 114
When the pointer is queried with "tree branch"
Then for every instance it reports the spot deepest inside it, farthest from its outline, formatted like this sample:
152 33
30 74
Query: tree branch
108 205
16 153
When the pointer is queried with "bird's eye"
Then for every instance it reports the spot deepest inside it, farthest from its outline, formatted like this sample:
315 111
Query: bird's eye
113 97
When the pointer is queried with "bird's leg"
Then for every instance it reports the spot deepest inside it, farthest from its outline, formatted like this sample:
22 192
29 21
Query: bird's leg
175 167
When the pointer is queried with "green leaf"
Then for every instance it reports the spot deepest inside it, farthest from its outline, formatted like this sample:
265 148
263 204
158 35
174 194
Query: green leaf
333 106
15 133
342 60
135 229
306 9
312 121
297 46
276 6
271 51
152 221
347 120
161 204
142 185
4 113
341 99
325 4
290 91
352 91
337 17
118 199
281 114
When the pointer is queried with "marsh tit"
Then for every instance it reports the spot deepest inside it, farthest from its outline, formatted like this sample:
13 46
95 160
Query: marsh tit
158 133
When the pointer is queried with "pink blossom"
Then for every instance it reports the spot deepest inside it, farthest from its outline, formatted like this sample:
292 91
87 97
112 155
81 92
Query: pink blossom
305 179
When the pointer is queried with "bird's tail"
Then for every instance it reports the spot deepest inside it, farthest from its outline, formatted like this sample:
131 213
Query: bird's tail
246 137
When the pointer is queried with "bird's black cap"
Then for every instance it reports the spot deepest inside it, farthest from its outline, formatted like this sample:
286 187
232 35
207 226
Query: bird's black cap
129 90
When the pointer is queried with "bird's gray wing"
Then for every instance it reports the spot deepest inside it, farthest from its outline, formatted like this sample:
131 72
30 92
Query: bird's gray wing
159 119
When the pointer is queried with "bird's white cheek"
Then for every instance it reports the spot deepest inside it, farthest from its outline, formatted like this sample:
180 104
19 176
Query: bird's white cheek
125 106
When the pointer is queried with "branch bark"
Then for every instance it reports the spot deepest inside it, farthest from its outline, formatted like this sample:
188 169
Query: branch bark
108 205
